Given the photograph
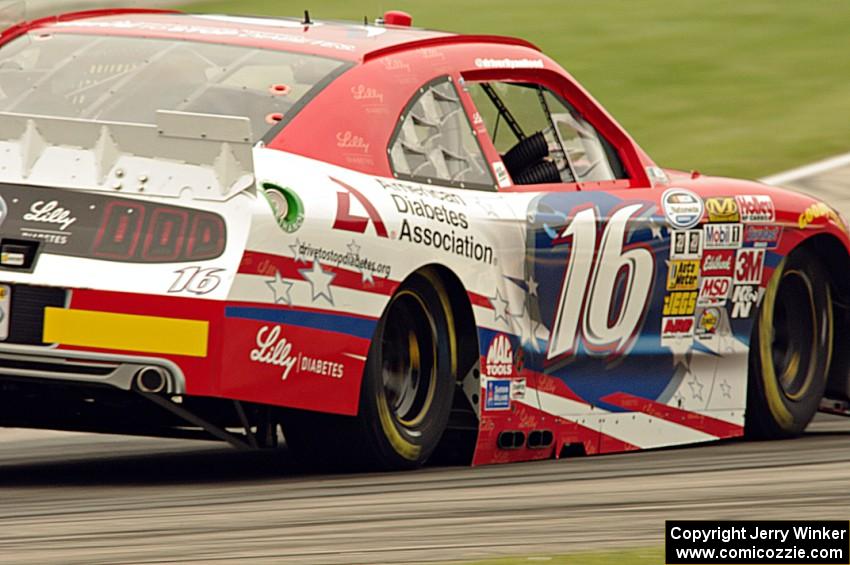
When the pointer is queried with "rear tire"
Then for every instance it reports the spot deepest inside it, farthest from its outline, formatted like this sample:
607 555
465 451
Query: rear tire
791 349
406 394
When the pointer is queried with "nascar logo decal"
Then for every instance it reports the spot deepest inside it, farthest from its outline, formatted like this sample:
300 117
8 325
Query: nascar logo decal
682 208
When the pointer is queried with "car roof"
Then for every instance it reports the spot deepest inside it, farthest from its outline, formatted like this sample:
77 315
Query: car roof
343 40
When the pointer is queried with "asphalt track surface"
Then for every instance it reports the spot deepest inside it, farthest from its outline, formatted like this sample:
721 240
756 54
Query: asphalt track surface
78 498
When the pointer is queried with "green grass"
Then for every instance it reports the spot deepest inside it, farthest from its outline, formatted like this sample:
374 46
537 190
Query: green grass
650 556
723 86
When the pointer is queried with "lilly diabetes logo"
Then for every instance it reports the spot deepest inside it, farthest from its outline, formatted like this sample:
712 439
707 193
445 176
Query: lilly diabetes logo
498 394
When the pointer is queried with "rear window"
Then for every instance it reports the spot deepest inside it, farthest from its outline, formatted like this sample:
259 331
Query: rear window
127 79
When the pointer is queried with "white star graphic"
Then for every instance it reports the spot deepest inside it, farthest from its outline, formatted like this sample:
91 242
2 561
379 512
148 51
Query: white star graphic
525 327
532 286
320 282
655 228
696 388
296 251
726 388
281 289
353 248
367 277
501 307
487 208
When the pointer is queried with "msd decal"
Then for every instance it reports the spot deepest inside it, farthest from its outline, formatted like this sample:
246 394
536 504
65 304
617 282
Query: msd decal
348 221
749 266
756 208
718 263
500 357
714 291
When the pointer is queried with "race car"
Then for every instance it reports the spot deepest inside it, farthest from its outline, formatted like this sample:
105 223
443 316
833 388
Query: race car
384 245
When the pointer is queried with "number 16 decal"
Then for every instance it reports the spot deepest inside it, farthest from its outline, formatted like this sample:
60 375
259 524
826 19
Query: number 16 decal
606 288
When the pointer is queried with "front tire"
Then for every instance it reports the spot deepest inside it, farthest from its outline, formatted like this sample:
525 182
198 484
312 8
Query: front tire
791 349
406 393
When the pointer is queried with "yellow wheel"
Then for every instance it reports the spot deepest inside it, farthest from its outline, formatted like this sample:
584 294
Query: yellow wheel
791 349
406 394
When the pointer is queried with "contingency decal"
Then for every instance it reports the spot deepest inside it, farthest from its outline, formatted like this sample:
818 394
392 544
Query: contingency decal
287 207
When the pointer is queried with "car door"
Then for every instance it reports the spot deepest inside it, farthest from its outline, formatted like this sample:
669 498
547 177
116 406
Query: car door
614 266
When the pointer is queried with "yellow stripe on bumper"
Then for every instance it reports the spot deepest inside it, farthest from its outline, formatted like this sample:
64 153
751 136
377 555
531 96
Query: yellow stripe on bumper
106 330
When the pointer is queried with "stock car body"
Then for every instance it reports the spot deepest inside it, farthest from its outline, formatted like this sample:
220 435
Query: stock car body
392 244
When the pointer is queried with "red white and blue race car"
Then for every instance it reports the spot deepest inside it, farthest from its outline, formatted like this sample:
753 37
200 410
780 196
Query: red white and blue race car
392 244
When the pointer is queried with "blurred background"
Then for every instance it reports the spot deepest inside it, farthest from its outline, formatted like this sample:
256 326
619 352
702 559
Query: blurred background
726 87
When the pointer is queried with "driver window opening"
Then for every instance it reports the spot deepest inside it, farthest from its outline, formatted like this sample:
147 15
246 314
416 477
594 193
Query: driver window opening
541 138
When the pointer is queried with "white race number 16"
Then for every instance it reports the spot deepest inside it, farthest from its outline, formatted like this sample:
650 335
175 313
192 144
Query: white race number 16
587 295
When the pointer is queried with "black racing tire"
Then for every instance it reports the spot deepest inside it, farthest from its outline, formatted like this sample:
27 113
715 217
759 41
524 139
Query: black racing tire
406 393
791 349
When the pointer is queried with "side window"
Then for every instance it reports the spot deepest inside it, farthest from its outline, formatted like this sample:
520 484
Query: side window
435 143
541 138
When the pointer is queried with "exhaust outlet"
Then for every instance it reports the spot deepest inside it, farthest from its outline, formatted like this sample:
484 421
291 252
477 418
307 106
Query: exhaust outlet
152 380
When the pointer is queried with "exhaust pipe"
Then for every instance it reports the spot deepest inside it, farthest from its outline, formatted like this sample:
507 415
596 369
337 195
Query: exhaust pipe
151 380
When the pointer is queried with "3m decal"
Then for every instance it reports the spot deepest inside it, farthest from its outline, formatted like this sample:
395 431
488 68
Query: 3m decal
686 244
723 209
683 275
762 236
346 220
286 205
722 236
816 211
749 266
497 395
587 301
500 357
714 291
274 349
682 208
718 263
680 304
196 280
756 208
744 297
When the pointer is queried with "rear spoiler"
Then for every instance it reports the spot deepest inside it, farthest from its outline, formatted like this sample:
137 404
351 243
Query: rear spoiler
207 157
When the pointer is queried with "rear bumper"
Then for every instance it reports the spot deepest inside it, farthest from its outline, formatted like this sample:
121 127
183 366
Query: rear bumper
119 371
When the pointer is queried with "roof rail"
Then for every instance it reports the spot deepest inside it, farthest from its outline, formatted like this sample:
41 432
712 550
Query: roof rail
23 27
448 40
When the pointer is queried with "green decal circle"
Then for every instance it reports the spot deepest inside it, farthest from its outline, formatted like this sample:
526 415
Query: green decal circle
286 205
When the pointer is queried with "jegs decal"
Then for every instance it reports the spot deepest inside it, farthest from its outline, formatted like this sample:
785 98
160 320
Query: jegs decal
680 304
594 277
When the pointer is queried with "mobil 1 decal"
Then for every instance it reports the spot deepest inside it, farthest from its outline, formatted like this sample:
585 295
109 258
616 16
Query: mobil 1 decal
602 267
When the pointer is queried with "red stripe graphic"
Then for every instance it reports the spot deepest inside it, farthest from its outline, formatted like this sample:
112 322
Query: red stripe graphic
706 424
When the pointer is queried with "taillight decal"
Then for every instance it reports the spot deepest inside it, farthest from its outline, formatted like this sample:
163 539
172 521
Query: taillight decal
206 239
165 235
120 231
